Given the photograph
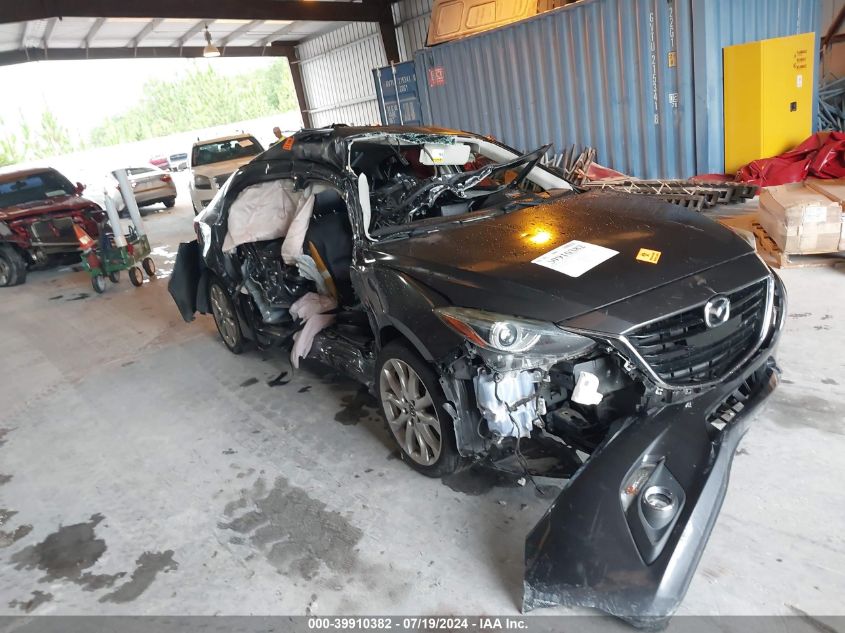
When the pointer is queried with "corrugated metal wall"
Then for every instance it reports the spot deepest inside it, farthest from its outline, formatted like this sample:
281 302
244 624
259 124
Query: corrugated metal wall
597 73
337 66
629 77
337 77
720 23
835 57
411 18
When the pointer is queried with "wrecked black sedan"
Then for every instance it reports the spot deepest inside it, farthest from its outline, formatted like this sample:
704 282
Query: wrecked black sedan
500 315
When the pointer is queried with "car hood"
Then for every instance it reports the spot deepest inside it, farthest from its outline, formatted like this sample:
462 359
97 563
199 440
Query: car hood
219 169
487 263
60 205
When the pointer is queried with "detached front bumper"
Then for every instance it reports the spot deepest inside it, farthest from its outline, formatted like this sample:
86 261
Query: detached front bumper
591 549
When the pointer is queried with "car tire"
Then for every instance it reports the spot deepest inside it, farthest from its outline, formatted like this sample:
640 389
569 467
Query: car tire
170 203
225 317
12 266
136 277
413 405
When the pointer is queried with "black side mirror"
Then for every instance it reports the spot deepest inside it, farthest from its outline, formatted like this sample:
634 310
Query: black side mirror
80 188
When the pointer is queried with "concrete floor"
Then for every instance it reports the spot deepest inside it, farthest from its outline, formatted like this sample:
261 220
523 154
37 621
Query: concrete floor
146 470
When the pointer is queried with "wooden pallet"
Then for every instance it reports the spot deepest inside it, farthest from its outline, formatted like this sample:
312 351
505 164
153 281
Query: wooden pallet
772 255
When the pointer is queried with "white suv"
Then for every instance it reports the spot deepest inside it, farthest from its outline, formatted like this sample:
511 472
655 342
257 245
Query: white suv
214 160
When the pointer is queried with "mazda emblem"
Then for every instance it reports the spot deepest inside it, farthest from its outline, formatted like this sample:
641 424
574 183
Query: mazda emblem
717 311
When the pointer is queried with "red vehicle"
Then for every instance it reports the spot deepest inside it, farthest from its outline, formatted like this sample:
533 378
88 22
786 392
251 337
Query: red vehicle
161 162
38 209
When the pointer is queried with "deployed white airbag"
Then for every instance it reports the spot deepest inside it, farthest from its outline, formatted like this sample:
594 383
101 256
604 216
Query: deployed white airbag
310 308
261 212
298 227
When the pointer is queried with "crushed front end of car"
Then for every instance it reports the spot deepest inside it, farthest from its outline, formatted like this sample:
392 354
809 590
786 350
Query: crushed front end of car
650 408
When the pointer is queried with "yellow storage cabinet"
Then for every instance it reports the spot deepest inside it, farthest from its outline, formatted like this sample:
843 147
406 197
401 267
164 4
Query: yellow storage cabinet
768 97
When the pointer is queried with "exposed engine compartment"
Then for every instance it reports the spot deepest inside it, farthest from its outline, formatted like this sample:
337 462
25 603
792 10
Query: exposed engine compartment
542 420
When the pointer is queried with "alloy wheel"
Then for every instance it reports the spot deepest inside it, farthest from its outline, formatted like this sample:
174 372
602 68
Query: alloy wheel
5 272
224 316
410 412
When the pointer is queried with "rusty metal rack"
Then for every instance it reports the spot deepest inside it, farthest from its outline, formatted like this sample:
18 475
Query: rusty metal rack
693 195
573 163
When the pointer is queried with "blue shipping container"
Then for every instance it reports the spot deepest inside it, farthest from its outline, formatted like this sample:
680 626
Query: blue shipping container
624 76
397 92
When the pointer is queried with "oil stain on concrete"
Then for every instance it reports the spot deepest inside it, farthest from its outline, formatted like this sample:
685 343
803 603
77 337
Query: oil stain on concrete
147 567
7 537
357 407
66 553
477 480
28 606
793 410
298 535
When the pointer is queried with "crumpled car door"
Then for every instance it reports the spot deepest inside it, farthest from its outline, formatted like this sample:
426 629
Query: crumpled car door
185 279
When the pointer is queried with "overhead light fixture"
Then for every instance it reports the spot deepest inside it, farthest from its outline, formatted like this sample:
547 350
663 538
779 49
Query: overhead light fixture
210 49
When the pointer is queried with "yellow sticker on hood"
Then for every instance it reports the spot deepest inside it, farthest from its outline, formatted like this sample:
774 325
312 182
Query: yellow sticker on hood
648 255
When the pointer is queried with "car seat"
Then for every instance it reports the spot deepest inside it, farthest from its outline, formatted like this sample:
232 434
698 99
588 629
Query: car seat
329 242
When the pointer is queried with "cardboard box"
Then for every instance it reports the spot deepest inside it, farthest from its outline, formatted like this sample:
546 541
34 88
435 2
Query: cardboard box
801 220
835 190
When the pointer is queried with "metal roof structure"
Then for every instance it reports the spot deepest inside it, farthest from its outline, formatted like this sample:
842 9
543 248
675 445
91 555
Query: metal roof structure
98 29
38 30
55 38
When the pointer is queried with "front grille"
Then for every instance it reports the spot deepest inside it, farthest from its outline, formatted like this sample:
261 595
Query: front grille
54 231
682 350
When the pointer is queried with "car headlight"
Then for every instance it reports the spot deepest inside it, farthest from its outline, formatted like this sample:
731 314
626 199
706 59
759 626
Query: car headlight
514 335
5 231
202 182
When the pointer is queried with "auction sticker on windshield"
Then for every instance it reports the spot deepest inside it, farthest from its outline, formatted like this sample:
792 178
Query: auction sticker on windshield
575 258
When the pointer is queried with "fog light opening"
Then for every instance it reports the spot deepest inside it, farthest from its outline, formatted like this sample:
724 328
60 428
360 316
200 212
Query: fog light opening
659 499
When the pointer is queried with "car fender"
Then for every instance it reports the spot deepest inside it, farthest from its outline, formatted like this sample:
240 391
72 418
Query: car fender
397 300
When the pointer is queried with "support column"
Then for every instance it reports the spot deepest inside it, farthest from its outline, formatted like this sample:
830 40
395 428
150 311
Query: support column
387 28
296 76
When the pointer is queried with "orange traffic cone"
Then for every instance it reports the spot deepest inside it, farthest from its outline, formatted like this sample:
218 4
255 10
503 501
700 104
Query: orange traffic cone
86 243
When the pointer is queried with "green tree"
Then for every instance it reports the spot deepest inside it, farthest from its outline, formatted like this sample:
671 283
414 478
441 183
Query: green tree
48 139
201 98
54 139
9 150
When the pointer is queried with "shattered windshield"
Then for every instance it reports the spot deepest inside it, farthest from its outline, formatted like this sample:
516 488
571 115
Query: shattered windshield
414 178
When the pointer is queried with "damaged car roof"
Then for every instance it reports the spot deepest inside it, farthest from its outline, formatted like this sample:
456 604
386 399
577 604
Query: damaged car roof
331 144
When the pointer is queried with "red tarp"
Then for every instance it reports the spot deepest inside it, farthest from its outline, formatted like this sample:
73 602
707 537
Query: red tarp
600 172
820 156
